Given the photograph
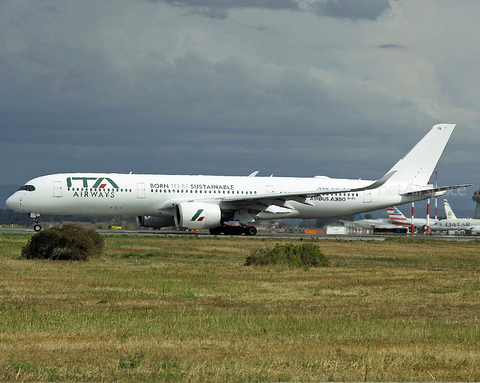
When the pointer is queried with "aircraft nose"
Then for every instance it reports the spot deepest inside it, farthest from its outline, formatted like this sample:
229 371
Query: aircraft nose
14 201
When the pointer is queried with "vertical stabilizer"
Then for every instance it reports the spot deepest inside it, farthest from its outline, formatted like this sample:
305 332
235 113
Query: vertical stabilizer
448 210
418 165
396 216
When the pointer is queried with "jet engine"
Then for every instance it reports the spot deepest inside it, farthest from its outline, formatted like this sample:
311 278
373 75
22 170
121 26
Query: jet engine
475 230
154 222
197 215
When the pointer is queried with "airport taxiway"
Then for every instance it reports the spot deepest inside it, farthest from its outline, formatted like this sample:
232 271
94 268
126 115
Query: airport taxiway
260 234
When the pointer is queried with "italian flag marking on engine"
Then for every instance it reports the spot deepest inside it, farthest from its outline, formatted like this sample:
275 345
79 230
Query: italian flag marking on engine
196 215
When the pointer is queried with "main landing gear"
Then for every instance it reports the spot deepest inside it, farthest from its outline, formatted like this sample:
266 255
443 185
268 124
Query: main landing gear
36 225
234 230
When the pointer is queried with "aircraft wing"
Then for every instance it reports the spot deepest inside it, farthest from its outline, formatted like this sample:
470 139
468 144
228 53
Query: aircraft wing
263 201
275 202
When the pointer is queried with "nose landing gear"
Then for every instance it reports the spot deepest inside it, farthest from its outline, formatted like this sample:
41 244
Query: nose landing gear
36 225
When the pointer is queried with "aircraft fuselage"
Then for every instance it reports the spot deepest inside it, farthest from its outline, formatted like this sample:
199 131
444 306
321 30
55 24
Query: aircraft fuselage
137 194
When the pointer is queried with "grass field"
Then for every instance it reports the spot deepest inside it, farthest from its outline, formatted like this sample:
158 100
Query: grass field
186 308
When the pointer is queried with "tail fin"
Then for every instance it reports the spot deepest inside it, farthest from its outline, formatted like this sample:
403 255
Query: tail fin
418 165
448 210
396 216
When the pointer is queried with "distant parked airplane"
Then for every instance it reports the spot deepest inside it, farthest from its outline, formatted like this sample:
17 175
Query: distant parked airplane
207 202
397 217
452 223
365 223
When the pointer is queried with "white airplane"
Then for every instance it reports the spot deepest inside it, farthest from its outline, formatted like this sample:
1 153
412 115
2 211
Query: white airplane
452 223
207 202
397 218
366 223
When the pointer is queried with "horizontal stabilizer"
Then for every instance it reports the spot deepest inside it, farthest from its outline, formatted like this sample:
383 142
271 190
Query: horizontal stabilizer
434 191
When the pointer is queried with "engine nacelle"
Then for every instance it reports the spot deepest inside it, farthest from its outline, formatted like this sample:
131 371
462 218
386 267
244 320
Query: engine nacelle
155 222
197 215
475 230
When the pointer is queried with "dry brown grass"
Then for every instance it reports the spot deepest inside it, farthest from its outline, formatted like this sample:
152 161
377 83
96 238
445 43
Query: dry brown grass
186 309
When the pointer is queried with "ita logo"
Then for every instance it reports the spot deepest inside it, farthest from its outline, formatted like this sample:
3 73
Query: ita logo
98 183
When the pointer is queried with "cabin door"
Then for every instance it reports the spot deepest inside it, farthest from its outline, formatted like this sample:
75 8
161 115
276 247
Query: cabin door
141 190
367 197
57 189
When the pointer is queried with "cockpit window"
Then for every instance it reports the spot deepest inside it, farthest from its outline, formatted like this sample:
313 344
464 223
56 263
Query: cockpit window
27 188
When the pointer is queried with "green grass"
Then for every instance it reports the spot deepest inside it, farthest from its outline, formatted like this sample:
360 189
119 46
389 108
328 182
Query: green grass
187 309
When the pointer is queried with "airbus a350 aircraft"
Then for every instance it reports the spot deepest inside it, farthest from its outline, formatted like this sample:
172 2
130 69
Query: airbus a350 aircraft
207 202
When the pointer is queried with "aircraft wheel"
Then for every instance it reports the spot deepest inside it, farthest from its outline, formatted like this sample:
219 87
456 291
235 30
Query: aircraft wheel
37 227
233 230
228 230
250 230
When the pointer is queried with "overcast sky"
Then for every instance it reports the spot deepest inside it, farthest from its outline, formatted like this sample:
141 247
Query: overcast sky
342 88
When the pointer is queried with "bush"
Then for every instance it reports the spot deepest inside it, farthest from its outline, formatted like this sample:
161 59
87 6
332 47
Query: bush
304 255
69 242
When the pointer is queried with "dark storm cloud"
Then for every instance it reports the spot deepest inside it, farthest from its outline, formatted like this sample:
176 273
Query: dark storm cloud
51 89
391 46
217 9
231 4
212 13
86 101
352 9
341 9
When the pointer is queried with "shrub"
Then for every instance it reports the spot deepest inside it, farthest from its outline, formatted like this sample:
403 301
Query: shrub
304 255
70 242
